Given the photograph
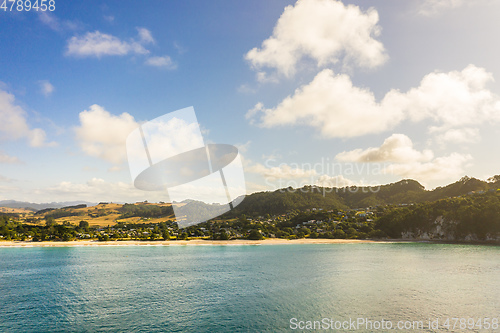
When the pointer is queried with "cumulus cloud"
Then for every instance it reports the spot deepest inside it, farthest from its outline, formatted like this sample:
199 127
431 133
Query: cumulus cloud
407 162
396 148
331 104
103 135
38 138
46 88
13 123
325 31
163 62
453 99
97 44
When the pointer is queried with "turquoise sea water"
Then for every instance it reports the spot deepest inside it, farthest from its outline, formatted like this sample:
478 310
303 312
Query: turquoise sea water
242 288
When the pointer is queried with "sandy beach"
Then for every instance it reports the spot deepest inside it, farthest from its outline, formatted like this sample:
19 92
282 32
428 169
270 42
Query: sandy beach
197 242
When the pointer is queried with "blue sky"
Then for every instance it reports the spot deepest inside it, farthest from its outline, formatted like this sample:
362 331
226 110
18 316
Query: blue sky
313 92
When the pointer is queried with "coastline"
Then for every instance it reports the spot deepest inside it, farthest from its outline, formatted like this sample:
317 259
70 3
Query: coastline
194 242
203 242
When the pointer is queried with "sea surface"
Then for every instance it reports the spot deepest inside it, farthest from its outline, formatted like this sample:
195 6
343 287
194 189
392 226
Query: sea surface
245 288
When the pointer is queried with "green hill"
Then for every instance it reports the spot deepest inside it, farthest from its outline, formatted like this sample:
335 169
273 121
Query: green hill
406 191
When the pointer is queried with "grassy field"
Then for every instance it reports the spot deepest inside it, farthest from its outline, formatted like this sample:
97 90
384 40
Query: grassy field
105 214
15 210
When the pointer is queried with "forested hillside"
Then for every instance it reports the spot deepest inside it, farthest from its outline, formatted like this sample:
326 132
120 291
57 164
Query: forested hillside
403 192
473 217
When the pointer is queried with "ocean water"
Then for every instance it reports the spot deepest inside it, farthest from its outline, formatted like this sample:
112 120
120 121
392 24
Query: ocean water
244 288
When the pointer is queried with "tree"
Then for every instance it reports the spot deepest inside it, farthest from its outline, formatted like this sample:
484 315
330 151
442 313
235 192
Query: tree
103 238
166 235
255 235
49 221
494 179
84 225
339 233
67 237
305 230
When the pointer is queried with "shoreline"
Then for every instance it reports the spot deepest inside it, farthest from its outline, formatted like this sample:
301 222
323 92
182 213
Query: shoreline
194 242
202 242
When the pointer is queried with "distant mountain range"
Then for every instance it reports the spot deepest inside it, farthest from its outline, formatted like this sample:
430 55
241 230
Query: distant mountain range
40 206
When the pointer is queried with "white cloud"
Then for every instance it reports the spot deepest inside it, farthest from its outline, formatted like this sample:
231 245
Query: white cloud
322 30
165 62
180 49
408 162
115 168
453 99
264 77
440 168
103 135
49 20
335 181
396 148
283 171
97 44
271 157
145 36
46 88
109 18
54 23
246 89
330 103
98 189
458 136
333 105
433 7
255 187
243 148
252 113
13 124
166 136
38 138
93 190
5 158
